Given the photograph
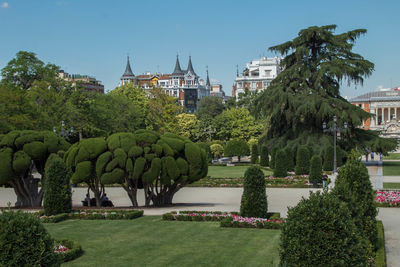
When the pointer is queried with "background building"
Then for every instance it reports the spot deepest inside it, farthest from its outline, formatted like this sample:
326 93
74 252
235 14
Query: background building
257 75
88 83
182 84
385 105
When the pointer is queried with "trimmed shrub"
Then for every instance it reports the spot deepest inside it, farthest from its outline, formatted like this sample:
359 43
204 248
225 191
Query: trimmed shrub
273 154
254 198
237 148
74 250
328 158
280 164
316 169
289 159
264 157
302 161
354 187
254 154
24 241
319 231
57 194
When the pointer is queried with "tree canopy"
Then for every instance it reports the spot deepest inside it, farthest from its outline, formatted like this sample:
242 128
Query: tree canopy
306 93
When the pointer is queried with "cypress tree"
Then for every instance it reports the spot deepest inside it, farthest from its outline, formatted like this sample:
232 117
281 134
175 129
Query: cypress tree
289 159
328 158
316 169
254 199
280 164
273 155
264 158
254 154
302 161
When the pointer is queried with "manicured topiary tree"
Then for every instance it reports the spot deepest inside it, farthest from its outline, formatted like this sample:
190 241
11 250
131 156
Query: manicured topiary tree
83 158
160 164
280 164
24 241
217 150
237 147
289 159
254 198
328 159
264 157
22 152
302 161
207 148
254 154
273 154
316 169
354 187
57 196
319 231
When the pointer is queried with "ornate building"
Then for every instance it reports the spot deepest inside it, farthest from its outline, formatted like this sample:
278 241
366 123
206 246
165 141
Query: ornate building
182 84
257 75
385 105
86 82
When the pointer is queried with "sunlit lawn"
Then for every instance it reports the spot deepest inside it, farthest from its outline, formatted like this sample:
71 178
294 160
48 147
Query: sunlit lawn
391 168
150 241
230 171
391 185
392 156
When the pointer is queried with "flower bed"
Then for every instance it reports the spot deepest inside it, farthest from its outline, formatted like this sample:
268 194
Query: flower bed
67 250
92 215
227 219
388 198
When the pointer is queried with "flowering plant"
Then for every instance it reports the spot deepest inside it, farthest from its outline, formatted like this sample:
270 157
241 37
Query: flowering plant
389 197
60 249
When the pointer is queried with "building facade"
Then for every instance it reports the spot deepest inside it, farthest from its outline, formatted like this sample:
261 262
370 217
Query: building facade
88 83
257 75
185 85
385 106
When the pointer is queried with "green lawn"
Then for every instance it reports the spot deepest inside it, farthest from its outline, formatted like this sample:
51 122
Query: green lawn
391 168
392 156
230 172
391 185
150 241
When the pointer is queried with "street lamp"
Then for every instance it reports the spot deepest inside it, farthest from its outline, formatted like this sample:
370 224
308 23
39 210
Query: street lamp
64 133
210 131
334 129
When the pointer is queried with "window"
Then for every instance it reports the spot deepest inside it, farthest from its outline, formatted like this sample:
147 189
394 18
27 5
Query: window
176 82
267 73
189 82
266 84
253 85
239 85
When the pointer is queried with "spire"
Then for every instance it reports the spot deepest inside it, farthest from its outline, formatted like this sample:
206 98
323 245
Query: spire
190 67
208 84
128 71
177 69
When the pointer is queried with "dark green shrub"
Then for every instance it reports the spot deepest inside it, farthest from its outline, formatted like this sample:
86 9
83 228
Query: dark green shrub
264 157
55 219
280 164
95 216
226 222
57 194
133 214
254 199
74 250
254 154
316 169
237 148
273 154
302 161
353 186
328 159
319 231
24 241
168 217
289 159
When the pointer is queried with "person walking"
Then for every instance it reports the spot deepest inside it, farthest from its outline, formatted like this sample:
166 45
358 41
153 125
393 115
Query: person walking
324 179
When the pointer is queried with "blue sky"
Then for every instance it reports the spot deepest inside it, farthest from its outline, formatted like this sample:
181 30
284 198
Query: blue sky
94 37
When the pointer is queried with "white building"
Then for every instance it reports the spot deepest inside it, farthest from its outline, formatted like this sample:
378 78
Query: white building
257 75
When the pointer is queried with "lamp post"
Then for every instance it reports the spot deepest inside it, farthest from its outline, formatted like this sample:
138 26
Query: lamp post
63 133
334 129
210 131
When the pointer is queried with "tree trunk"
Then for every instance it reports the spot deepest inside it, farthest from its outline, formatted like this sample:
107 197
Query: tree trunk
165 196
27 191
131 188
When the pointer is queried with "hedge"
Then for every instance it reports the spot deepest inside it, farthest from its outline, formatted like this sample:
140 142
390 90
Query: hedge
92 215
74 250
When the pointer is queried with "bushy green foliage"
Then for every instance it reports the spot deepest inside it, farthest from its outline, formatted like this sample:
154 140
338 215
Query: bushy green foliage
217 150
289 158
254 198
6 165
254 154
273 156
83 172
237 147
183 166
135 151
302 161
264 157
154 171
319 231
328 159
354 187
316 169
57 195
207 149
24 241
21 162
280 164
102 162
138 167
